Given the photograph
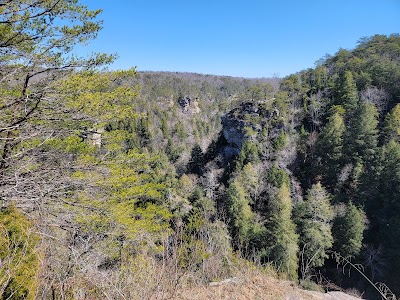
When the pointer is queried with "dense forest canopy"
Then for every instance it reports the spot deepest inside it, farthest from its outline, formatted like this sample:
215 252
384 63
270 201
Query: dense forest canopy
130 185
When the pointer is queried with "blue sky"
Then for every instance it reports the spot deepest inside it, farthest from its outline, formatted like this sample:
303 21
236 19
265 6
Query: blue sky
246 38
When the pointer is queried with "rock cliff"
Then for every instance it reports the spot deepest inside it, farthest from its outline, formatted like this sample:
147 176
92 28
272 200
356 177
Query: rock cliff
241 123
189 104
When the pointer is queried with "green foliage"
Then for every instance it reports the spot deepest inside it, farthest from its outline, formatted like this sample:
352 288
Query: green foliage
122 196
280 141
282 240
348 231
348 93
278 177
165 127
390 177
250 133
315 216
202 204
36 55
250 177
329 148
336 109
392 124
35 27
259 92
248 153
362 137
83 142
388 209
143 131
71 144
98 95
238 205
180 130
291 85
201 238
337 137
129 196
19 256
281 103
197 160
317 204
172 152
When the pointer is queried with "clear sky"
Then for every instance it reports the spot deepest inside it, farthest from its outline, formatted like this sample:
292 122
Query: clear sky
245 38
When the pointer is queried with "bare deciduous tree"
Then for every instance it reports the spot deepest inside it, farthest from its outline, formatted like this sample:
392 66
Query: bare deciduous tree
376 96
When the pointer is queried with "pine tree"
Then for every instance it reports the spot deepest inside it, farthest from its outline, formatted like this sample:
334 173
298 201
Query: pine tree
348 229
361 148
348 95
37 42
387 211
143 130
329 149
281 237
316 214
19 257
392 125
248 153
363 138
240 211
196 162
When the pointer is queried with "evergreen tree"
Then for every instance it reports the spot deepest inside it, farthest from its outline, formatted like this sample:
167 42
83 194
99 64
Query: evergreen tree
280 141
392 125
361 150
250 178
316 214
386 212
248 153
363 138
390 177
143 130
197 160
19 259
348 229
329 149
348 95
164 125
238 206
281 237
171 151
180 130
37 45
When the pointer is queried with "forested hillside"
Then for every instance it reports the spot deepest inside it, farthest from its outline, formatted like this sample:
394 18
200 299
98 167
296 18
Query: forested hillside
138 185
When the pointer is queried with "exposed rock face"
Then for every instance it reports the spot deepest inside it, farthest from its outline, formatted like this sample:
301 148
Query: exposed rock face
234 124
189 105
234 135
184 102
94 136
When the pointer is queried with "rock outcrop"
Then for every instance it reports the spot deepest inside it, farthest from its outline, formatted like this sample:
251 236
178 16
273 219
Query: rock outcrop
237 123
189 105
94 136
